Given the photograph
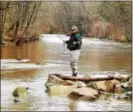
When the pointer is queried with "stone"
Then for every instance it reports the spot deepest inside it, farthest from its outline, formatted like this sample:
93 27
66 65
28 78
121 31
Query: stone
70 82
111 85
84 93
126 86
130 81
104 96
104 85
116 75
20 93
91 85
118 89
126 78
98 85
60 90
54 80
124 96
79 84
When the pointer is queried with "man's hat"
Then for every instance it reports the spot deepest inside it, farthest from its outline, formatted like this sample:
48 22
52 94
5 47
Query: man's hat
74 28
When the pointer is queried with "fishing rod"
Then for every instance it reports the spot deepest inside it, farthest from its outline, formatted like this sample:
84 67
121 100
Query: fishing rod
64 43
61 38
41 36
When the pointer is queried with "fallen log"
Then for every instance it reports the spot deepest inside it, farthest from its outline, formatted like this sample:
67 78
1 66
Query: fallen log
85 79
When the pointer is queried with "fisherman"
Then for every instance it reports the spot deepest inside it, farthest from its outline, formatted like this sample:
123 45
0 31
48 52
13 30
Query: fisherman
74 45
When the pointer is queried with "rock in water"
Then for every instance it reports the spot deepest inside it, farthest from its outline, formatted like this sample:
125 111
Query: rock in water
20 93
54 80
84 93
60 90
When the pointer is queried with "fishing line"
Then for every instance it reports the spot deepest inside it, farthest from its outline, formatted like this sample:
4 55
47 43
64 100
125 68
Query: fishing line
63 42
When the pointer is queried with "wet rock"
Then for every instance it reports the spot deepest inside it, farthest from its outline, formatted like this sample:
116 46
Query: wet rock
126 78
54 80
118 89
124 96
126 86
104 85
20 93
104 95
130 81
84 93
70 82
129 78
60 90
116 75
111 85
99 85
129 94
113 101
57 86
82 90
91 85
79 84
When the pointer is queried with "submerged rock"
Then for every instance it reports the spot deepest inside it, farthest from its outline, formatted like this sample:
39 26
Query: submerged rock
20 93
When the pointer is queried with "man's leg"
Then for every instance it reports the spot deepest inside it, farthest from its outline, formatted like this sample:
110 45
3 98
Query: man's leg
74 68
74 56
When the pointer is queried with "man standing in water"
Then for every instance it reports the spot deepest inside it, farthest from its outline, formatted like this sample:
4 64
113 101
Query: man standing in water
74 45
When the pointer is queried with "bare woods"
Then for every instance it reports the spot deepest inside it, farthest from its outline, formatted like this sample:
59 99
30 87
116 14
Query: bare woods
23 19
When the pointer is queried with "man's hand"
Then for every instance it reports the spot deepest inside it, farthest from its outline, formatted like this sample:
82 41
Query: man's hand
64 42
74 43
78 42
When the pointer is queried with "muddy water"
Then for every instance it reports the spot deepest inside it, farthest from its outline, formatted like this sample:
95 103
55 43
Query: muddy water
98 57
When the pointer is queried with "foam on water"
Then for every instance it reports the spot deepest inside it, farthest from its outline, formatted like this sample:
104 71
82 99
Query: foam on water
10 66
14 60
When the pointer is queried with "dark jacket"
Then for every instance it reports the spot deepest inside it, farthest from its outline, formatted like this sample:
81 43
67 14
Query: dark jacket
75 41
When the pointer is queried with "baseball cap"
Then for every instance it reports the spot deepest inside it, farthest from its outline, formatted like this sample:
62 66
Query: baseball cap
74 28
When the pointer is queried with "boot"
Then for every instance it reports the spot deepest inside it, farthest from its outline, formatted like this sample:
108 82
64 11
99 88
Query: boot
74 74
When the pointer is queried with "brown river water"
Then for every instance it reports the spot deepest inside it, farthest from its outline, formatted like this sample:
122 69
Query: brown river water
49 55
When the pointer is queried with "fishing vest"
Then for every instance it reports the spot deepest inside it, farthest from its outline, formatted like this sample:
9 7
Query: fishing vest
77 38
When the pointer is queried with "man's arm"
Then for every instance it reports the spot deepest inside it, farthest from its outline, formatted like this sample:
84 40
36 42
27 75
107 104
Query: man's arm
78 37
68 34
67 41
